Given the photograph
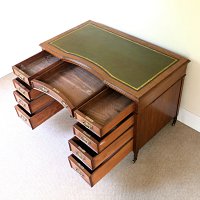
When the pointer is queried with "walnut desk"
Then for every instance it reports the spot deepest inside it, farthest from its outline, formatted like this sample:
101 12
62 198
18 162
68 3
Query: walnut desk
120 89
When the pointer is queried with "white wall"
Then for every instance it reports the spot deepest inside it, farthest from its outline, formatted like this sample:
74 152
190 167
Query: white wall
173 24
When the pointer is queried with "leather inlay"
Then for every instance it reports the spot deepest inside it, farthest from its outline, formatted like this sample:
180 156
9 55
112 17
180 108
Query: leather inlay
125 60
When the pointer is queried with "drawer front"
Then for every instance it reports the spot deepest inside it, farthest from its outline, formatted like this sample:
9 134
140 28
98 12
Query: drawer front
21 101
88 123
34 66
98 129
79 152
113 148
53 92
98 144
86 137
34 105
34 120
21 75
93 176
117 132
25 90
22 114
80 169
93 160
104 111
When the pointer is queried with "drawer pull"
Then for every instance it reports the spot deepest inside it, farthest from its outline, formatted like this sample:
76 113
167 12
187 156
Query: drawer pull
21 90
80 173
80 166
22 117
21 77
87 125
79 155
81 149
86 134
43 89
84 139
21 103
64 104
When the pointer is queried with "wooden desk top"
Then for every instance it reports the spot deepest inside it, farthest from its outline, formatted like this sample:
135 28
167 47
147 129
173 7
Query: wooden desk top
119 59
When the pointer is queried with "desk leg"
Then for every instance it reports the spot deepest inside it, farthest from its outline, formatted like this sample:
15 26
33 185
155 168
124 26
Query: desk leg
179 101
135 156
135 147
174 121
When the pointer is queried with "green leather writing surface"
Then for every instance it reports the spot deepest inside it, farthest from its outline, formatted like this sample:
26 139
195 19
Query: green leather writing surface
128 62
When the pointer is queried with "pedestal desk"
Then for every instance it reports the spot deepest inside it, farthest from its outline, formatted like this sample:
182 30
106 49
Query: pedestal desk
120 89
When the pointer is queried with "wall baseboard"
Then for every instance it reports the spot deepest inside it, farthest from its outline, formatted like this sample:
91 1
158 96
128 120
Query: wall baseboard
189 119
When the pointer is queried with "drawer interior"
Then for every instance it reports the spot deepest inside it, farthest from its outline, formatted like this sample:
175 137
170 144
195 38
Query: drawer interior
36 63
93 160
21 84
33 106
89 132
82 164
73 82
40 116
93 176
99 139
84 146
26 113
105 106
26 90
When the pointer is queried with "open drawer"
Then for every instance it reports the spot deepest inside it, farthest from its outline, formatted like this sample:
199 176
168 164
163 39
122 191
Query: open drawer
92 159
35 65
34 120
103 112
93 176
69 84
34 105
98 144
26 90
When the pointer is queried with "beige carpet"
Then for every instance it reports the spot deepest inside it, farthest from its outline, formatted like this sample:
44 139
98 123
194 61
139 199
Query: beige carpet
34 165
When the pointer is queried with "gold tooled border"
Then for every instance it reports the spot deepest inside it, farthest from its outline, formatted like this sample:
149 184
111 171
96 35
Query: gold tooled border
135 88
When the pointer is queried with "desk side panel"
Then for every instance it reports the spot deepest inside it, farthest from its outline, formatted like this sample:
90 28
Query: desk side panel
160 88
156 115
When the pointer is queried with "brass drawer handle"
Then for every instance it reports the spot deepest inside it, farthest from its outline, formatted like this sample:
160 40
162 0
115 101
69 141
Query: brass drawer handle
43 89
21 91
22 117
81 149
88 135
79 155
64 104
80 166
87 125
21 103
21 77
84 139
80 173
